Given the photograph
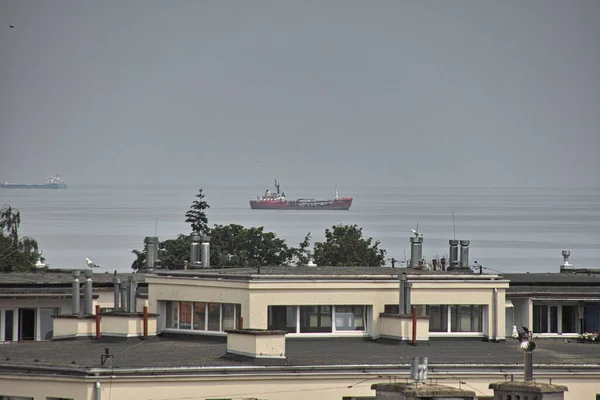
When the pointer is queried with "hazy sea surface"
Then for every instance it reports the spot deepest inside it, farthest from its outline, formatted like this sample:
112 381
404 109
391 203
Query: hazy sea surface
510 229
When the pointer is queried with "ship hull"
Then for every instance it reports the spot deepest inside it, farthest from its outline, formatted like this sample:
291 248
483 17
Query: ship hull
33 186
339 204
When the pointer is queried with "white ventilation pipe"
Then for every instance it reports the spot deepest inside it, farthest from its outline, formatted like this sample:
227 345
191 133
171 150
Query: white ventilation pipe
97 391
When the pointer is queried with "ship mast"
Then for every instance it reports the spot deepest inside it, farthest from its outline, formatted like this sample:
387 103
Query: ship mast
277 186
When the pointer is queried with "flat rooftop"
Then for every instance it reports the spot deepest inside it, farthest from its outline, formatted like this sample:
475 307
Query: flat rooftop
172 352
387 273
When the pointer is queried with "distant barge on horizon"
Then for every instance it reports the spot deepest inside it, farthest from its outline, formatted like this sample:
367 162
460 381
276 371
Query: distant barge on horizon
277 201
54 182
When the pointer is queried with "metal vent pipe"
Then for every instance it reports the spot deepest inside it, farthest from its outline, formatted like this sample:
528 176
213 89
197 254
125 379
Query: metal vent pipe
195 251
117 292
76 293
464 253
453 262
124 297
151 251
87 294
416 251
205 251
132 292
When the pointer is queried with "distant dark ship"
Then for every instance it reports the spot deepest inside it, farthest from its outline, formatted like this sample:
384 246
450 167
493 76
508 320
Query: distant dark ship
54 182
278 201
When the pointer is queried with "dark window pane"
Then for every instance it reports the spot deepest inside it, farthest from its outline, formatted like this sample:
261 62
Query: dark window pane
438 321
185 315
315 319
569 319
282 318
200 316
214 317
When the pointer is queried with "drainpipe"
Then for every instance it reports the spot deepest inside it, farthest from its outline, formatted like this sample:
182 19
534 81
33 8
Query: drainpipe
414 326
124 297
87 294
117 292
495 315
402 283
76 294
97 391
146 320
97 321
407 303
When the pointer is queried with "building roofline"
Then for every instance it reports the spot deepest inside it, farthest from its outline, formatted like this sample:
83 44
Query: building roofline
506 369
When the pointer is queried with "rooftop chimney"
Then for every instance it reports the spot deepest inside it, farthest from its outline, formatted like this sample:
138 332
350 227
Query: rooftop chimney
117 292
566 265
76 293
453 262
464 254
195 252
132 294
87 294
416 250
205 251
443 264
151 252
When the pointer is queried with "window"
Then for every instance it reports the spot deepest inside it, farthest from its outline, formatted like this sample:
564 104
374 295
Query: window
200 316
569 319
282 318
46 328
349 318
315 319
185 315
438 321
172 314
229 317
466 318
555 318
214 317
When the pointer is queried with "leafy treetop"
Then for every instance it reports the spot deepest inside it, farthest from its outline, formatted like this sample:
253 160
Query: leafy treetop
344 245
196 215
16 255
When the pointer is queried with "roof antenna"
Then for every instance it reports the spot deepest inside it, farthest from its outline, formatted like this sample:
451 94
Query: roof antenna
155 226
453 225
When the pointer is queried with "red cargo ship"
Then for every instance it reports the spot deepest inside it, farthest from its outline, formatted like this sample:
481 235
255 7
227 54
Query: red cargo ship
277 201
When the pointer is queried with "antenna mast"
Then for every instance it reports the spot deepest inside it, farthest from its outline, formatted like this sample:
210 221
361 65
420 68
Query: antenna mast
453 225
155 226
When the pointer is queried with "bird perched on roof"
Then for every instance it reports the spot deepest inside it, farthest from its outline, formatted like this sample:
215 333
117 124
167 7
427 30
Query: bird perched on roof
91 264
515 332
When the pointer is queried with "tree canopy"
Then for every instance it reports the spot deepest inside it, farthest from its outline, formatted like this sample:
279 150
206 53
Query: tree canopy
344 245
196 215
16 254
231 246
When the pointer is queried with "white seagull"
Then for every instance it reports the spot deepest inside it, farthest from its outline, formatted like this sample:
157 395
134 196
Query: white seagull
91 264
515 332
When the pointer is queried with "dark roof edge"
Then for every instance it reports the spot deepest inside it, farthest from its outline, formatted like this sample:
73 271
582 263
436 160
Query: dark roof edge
18 369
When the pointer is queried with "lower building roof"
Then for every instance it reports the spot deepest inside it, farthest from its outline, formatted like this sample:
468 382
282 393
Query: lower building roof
176 352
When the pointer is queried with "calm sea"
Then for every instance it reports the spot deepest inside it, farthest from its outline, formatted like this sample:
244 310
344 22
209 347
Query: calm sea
510 229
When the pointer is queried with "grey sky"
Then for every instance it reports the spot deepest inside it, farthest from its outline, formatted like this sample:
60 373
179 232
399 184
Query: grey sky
346 92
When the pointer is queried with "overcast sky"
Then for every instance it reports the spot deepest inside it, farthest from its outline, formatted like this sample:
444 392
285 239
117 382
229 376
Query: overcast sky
346 92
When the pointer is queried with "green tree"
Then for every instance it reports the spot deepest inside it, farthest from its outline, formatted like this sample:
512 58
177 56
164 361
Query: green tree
235 246
173 253
15 254
196 215
344 245
231 246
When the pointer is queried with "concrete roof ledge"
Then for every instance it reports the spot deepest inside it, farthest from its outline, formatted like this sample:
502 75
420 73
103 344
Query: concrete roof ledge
421 389
532 387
